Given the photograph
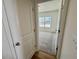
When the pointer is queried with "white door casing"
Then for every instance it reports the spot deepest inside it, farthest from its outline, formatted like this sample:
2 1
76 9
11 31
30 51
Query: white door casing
20 18
62 21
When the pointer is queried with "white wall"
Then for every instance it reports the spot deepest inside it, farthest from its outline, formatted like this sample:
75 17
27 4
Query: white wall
47 42
48 6
69 41
54 15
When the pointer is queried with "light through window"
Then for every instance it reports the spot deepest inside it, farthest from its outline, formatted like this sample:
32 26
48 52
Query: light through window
41 21
45 21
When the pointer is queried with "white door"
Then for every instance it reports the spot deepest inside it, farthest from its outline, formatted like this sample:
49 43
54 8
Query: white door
8 51
20 17
5 46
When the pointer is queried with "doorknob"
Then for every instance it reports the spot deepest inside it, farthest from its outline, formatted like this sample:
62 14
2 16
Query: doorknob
17 44
59 31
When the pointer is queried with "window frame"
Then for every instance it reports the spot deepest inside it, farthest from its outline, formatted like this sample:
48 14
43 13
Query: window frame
45 22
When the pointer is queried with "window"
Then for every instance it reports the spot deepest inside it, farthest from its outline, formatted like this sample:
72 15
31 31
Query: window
41 21
45 21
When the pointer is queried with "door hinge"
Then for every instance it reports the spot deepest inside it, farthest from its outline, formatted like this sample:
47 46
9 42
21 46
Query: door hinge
57 49
59 30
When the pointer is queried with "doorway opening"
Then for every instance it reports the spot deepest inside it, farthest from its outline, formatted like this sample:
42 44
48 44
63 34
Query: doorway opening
48 25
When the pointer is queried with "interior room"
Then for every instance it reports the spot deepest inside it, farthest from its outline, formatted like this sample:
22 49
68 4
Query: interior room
39 29
48 23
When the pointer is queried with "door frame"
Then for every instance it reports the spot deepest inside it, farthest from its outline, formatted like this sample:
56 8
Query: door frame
62 22
63 6
36 24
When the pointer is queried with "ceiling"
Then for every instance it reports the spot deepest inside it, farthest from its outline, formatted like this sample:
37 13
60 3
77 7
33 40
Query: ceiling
40 1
